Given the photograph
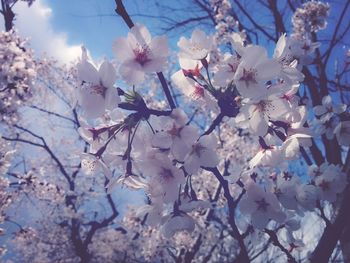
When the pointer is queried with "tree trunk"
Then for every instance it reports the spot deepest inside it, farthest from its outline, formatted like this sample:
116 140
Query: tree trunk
8 14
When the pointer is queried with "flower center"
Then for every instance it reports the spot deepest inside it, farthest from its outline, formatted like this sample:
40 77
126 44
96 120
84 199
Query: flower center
174 132
142 54
262 204
306 47
197 149
265 106
195 47
166 174
324 185
249 76
98 90
198 92
233 66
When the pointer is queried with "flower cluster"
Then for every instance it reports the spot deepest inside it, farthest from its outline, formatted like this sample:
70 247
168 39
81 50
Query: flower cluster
311 17
226 24
6 155
329 180
162 152
330 120
16 74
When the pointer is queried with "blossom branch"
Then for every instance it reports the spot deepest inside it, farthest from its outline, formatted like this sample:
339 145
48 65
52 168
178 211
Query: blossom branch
120 10
276 242
243 255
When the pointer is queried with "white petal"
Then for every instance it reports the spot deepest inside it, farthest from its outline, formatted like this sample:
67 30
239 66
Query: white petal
327 101
258 123
268 70
141 33
108 74
161 140
319 110
131 72
87 72
192 164
260 220
159 46
112 98
208 158
122 49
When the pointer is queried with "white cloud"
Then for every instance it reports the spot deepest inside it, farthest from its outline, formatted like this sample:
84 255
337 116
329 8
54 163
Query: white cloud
35 23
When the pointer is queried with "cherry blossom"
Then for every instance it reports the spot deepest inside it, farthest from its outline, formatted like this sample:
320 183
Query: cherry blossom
119 179
260 206
162 173
140 54
96 93
226 70
201 154
254 71
259 113
311 17
285 57
197 47
327 110
174 134
329 181
17 74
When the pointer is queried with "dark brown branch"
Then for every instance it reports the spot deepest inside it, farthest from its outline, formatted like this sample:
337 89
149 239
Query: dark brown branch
259 27
215 124
280 28
182 23
243 255
335 32
8 15
274 239
98 225
54 114
44 146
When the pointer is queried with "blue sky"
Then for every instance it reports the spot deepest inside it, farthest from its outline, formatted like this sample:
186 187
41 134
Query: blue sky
59 28
91 22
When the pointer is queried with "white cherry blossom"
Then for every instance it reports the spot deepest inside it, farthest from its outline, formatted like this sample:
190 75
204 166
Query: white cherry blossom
178 138
327 110
140 54
260 112
329 181
96 93
197 47
260 206
254 71
201 154
290 73
226 70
